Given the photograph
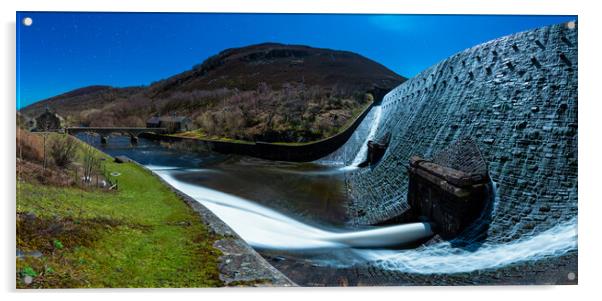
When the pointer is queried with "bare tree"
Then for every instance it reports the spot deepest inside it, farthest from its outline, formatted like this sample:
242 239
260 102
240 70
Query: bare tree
90 163
62 150
44 135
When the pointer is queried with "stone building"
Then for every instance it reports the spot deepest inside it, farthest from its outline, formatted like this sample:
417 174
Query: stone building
49 121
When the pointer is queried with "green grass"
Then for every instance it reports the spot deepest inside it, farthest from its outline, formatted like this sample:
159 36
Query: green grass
199 134
142 235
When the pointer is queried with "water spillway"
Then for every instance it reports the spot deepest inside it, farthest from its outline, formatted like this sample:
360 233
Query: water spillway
445 259
523 116
515 96
266 228
354 151
363 151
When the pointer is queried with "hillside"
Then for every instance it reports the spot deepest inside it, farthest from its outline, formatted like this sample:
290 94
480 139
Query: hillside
72 234
75 104
277 64
269 92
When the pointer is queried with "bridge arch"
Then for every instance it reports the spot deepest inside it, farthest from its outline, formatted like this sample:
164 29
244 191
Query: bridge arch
105 132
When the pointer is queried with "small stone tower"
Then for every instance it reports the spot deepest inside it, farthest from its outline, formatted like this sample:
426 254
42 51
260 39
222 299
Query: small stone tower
452 189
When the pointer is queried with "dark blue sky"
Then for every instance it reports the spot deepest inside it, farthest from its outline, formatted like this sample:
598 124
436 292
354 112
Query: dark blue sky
63 51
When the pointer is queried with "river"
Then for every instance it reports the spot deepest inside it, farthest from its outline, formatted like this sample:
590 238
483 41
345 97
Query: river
294 214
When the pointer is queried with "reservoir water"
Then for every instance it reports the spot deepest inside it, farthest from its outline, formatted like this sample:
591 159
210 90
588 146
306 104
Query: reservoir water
294 215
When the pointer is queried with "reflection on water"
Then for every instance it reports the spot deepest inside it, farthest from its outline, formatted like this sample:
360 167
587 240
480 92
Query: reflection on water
282 207
309 192
272 205
147 152
318 199
265 228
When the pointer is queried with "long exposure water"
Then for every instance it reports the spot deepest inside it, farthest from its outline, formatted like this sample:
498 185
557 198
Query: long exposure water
296 211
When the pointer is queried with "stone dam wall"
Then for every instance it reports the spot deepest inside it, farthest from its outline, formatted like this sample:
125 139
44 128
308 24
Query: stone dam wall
516 96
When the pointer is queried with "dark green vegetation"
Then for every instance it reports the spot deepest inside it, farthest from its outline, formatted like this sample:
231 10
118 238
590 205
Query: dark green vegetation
139 235
265 92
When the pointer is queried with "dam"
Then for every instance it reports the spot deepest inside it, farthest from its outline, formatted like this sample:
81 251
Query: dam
517 96
329 221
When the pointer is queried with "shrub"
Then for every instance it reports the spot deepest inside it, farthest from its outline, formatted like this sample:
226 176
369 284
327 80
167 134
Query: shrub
207 122
63 150
234 121
291 111
29 146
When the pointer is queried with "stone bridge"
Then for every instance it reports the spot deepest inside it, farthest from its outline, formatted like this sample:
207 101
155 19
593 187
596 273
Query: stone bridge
104 132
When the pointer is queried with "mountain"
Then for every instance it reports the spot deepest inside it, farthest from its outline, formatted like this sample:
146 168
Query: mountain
269 92
276 64
73 103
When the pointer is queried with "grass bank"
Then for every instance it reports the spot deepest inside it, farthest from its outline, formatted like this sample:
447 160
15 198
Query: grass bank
141 235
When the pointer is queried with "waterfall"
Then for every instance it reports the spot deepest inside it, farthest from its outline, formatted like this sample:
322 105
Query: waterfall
363 152
265 228
444 259
354 151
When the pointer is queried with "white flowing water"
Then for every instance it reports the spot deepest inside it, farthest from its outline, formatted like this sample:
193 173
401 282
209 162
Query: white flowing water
445 259
363 152
265 228
355 150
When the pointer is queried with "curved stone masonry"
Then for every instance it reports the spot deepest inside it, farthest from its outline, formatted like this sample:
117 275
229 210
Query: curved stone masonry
352 149
517 97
